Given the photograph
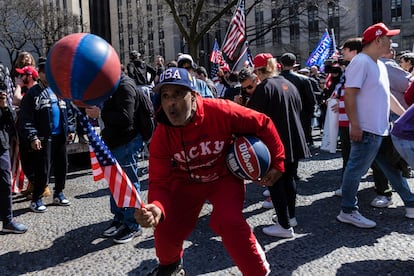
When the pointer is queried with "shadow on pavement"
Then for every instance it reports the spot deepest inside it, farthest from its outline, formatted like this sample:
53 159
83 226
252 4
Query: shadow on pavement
73 247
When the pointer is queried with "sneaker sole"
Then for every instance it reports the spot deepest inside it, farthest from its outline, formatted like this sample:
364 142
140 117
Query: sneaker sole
129 239
111 234
61 204
291 222
279 236
38 211
382 206
13 231
354 223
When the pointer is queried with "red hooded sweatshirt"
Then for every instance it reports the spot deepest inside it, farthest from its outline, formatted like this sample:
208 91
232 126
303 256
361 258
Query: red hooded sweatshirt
197 152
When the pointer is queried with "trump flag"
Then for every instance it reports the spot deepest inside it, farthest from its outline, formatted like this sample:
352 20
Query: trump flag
322 52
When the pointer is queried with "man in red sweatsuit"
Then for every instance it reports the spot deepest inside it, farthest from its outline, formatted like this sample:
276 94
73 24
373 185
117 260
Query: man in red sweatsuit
187 166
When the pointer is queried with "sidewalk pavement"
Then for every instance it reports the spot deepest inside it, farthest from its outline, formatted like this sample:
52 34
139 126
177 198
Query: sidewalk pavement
68 241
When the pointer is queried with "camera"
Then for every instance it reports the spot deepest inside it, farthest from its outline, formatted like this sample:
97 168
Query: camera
333 66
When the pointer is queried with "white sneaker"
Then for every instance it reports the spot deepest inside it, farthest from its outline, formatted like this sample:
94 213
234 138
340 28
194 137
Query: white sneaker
356 219
267 204
277 230
266 193
338 192
409 212
381 201
292 221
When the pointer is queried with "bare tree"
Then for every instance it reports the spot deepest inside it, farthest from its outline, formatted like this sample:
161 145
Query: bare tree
196 18
31 26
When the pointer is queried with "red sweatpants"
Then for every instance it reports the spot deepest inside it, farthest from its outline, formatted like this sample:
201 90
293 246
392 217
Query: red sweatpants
227 197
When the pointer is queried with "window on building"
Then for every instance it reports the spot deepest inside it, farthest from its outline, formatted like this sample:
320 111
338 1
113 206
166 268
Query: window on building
276 35
396 10
294 30
276 31
377 11
333 18
412 8
162 48
258 15
151 49
313 22
407 42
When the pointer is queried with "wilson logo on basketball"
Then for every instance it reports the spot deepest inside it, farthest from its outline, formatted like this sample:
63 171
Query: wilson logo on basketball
248 158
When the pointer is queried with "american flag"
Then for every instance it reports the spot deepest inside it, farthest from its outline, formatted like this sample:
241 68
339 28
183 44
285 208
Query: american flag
237 32
105 166
216 56
19 181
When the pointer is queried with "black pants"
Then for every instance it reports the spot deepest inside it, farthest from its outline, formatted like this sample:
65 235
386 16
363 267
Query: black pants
6 214
53 152
283 194
306 120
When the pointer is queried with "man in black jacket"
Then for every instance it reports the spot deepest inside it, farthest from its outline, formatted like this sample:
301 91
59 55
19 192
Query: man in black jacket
7 117
141 72
121 133
304 86
46 123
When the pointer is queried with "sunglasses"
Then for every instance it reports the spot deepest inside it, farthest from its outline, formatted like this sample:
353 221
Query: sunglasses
247 87
188 67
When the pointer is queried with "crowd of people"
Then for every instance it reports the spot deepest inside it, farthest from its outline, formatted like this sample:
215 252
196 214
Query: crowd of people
197 119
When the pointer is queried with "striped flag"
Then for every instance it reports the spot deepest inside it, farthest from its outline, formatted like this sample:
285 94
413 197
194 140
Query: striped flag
105 166
217 59
18 182
237 32
215 56
245 59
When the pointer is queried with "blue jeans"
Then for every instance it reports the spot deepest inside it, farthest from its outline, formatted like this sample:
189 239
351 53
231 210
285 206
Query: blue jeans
127 157
405 148
362 155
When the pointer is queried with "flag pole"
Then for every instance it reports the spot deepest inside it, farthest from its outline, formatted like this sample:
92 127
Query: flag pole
333 39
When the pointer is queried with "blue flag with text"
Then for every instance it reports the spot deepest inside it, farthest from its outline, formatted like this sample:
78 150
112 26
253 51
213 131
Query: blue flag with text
322 52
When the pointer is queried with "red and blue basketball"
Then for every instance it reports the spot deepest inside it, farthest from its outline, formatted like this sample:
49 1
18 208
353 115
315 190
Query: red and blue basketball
83 68
248 158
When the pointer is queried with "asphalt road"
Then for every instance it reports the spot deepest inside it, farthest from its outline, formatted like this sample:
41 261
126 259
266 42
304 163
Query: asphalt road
68 241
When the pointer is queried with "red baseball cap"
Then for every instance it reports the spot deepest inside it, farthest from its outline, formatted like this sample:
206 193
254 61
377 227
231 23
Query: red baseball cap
28 70
260 60
376 30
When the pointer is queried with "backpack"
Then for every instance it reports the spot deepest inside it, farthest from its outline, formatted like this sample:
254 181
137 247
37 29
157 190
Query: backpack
144 121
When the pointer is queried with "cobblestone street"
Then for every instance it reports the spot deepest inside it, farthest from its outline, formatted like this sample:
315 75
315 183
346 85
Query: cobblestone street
68 241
